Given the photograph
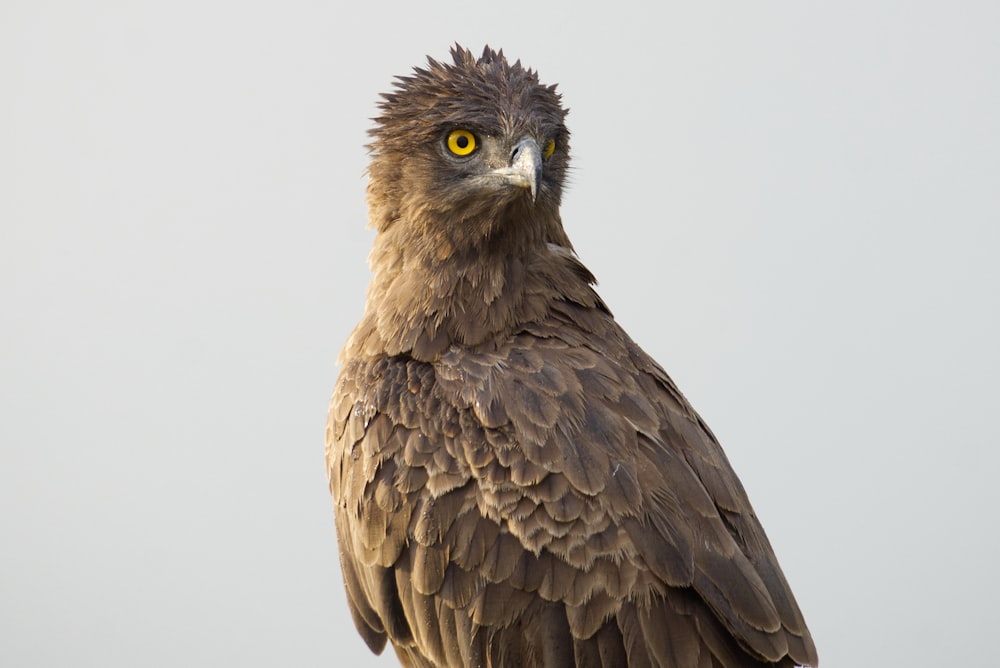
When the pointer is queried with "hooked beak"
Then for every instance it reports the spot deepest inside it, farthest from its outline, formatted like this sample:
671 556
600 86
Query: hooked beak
525 170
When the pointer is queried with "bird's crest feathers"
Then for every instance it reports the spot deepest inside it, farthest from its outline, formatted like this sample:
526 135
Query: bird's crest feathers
468 87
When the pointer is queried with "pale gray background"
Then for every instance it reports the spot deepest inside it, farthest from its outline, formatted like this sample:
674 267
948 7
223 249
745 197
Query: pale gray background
792 205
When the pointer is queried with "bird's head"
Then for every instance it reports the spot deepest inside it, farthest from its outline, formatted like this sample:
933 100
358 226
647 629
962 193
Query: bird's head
466 150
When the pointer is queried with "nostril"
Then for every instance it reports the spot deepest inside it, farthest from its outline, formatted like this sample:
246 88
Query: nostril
517 152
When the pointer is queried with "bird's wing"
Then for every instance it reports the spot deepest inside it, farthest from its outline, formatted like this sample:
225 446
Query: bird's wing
553 502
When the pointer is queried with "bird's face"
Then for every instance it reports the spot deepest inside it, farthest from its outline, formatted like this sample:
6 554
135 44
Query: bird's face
476 145
473 170
490 164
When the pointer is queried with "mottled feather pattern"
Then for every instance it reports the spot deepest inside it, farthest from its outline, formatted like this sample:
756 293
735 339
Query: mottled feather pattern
515 481
560 511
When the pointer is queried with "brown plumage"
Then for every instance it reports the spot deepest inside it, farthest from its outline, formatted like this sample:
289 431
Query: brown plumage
516 482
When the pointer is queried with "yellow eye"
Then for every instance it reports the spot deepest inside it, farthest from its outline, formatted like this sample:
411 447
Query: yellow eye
461 142
550 148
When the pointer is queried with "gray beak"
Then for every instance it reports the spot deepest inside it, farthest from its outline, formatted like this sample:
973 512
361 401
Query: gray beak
525 170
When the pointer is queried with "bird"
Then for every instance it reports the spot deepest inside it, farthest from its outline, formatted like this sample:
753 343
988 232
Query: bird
515 481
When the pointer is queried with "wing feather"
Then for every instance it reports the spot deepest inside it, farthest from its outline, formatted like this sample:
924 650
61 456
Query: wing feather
555 497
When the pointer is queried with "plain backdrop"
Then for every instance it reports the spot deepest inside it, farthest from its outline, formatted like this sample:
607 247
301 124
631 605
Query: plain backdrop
792 205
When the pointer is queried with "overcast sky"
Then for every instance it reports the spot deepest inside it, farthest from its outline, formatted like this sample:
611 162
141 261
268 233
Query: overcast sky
793 206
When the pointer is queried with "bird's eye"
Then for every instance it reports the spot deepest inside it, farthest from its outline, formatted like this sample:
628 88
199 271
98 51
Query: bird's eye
550 148
461 142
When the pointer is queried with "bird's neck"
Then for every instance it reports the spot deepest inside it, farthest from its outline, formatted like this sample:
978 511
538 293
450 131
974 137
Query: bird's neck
428 294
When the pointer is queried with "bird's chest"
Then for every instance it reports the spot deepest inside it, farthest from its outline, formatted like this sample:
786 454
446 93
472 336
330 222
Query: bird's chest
488 433
493 421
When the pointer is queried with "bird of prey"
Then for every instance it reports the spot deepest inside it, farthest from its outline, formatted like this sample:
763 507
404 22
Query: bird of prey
515 481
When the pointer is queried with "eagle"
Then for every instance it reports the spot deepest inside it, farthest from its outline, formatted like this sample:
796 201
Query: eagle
515 481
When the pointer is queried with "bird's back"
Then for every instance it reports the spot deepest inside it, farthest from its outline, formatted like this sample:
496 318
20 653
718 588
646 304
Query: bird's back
552 500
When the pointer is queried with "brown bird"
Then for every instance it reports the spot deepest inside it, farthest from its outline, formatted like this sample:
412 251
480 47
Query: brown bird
516 483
